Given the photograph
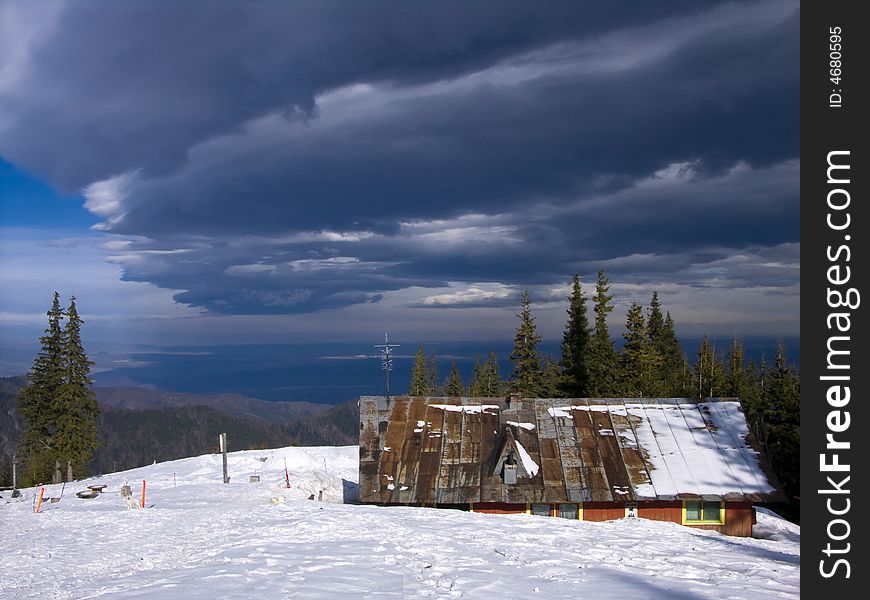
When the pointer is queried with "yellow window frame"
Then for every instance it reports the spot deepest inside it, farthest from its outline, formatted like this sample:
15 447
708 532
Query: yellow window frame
554 508
721 521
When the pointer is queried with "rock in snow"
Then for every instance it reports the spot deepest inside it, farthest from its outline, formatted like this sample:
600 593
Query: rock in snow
200 538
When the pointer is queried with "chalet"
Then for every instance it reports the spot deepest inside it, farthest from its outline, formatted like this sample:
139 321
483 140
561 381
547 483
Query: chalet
670 459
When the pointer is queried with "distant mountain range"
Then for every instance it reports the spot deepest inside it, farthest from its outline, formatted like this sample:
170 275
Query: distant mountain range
139 425
139 398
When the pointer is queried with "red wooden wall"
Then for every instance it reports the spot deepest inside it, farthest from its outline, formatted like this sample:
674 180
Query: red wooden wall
738 515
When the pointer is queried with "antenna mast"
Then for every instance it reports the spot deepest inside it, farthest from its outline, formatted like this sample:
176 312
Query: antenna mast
387 358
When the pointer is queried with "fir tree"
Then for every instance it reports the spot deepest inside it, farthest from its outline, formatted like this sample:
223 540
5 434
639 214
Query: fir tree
419 378
709 373
432 375
36 402
575 377
783 423
526 374
453 386
552 378
655 324
675 367
735 379
75 406
487 381
639 363
601 357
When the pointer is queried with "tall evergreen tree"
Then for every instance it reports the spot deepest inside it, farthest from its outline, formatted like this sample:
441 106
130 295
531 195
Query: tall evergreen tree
655 324
487 381
656 383
453 386
709 373
75 405
575 376
751 399
526 374
735 379
552 378
783 422
36 402
432 375
639 363
419 378
601 363
675 367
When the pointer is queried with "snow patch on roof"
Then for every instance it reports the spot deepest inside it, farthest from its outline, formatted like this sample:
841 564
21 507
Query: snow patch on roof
530 465
526 426
473 409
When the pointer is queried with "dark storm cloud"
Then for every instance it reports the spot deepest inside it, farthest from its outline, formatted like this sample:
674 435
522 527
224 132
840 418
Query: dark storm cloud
285 158
136 85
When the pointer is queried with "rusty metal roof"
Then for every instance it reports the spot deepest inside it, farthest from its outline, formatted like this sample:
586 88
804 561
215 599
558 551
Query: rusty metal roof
453 450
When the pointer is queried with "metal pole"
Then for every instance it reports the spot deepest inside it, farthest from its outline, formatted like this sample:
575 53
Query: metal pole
387 358
223 440
14 472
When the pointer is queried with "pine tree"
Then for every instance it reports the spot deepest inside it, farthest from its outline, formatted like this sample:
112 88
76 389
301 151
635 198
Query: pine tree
783 422
75 406
601 363
639 363
575 379
655 324
709 372
487 381
419 379
453 386
735 380
675 367
751 399
36 401
526 374
432 376
656 384
552 378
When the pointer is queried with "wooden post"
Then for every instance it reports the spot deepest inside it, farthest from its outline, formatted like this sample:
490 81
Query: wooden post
55 477
223 440
69 476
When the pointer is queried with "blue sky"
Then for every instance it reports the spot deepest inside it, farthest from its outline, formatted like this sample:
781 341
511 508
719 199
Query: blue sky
28 201
330 171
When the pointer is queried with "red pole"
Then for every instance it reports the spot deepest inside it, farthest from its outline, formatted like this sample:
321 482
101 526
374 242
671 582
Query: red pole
143 494
39 502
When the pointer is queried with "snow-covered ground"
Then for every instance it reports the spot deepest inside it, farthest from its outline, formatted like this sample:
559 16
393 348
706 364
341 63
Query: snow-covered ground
199 538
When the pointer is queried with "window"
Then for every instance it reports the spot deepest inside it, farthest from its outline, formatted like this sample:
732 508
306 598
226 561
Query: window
542 510
703 511
568 511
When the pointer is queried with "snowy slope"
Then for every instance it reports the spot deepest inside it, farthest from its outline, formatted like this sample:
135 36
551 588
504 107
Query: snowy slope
204 539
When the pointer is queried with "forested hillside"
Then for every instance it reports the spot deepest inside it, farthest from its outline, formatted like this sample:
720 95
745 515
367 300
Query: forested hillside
138 426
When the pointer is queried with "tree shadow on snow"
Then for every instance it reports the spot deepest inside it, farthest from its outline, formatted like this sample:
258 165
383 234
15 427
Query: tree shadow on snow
646 588
754 551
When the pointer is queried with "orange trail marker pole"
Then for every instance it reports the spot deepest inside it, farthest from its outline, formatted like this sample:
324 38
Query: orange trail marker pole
143 494
39 502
